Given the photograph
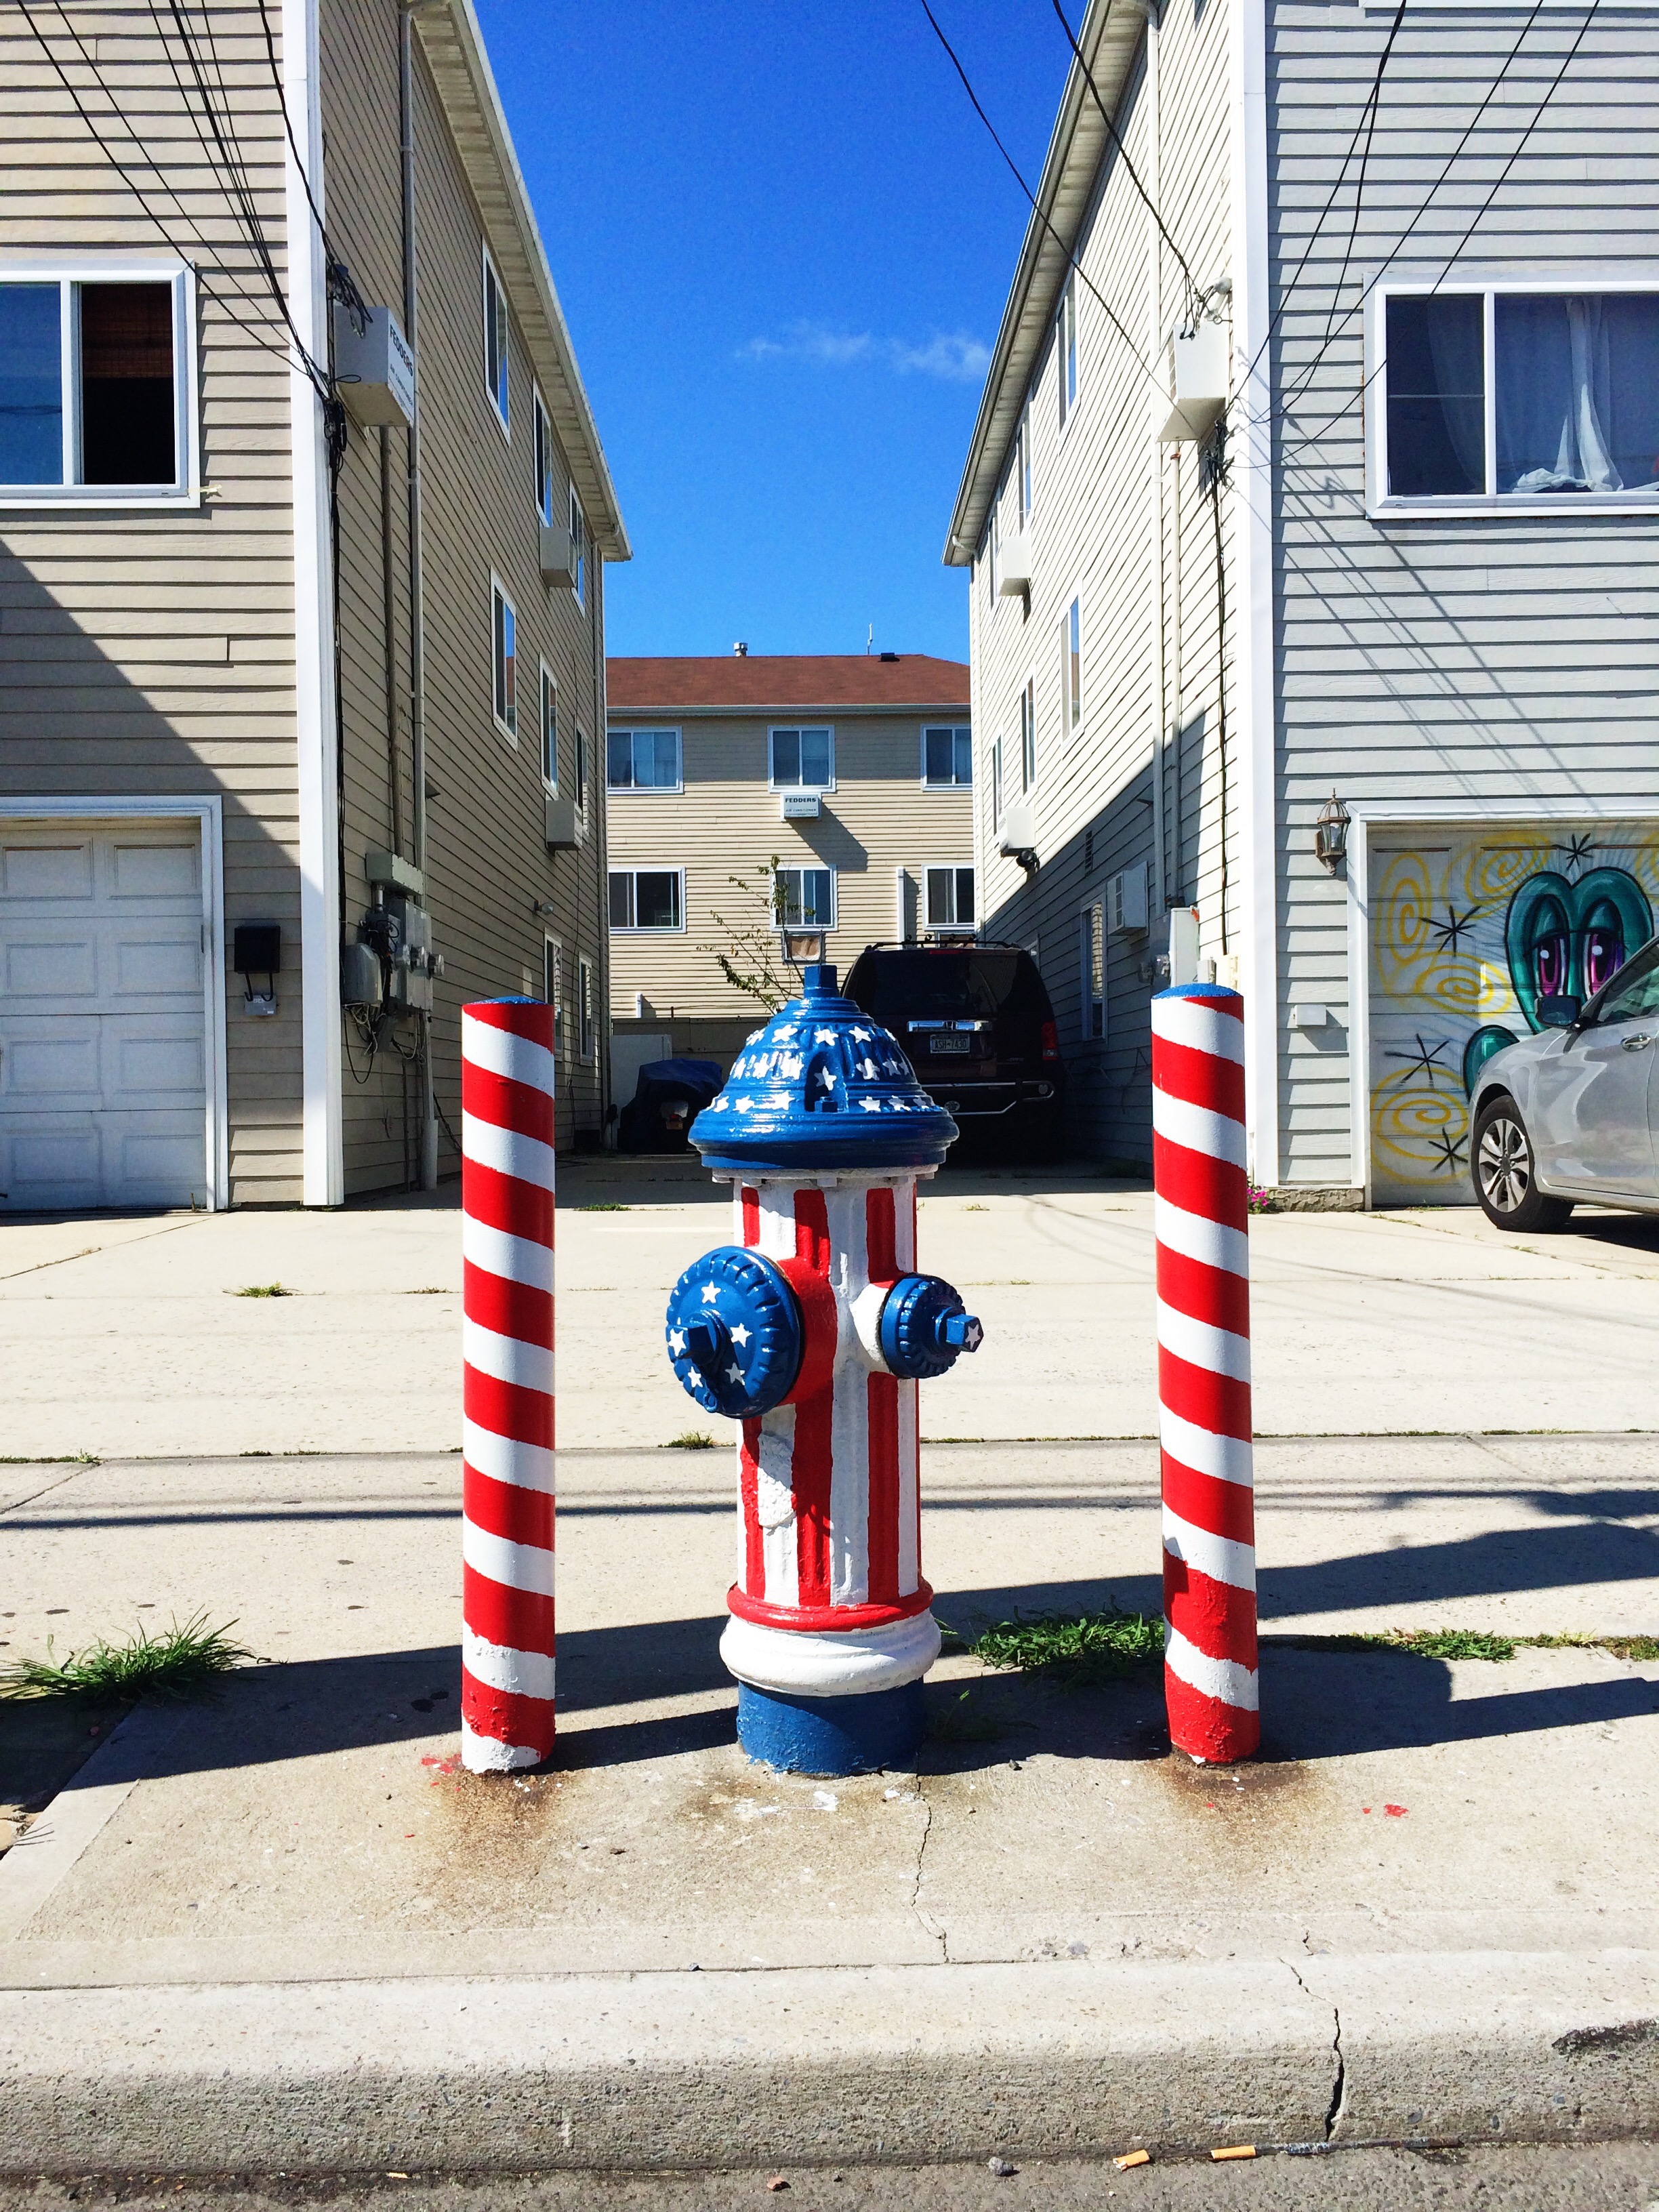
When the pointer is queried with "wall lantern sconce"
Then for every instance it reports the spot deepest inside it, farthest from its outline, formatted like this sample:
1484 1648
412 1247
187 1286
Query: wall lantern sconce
1331 834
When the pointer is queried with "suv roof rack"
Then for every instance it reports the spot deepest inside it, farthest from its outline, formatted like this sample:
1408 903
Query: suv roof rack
945 940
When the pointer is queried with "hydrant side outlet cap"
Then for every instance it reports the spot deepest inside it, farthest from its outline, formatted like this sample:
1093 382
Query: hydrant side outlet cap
823 1087
924 1327
734 1333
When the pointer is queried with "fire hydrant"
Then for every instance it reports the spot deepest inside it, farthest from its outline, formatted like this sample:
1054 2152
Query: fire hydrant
813 1331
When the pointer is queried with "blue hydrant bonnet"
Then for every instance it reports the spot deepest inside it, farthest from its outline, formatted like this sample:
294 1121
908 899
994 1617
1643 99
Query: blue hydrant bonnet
823 1087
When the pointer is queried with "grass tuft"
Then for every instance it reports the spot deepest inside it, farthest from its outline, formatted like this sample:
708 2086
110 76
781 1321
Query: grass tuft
690 1440
180 1662
263 1291
605 1206
1078 1651
953 1725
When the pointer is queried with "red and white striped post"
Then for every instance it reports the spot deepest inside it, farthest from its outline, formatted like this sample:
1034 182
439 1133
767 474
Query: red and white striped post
507 1244
1201 1205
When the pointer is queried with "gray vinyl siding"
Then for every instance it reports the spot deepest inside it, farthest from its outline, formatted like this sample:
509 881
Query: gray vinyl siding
153 653
1095 535
1484 660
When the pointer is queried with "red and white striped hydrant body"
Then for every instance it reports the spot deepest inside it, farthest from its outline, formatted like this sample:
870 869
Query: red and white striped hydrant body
1201 1205
507 1242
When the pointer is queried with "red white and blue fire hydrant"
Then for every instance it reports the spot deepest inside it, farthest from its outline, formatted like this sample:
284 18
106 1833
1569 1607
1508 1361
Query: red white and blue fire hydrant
813 1330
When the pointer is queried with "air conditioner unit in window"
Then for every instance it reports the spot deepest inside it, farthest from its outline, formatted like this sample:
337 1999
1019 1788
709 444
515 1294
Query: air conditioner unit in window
802 805
558 556
373 367
1017 830
1126 902
1014 567
562 824
1198 383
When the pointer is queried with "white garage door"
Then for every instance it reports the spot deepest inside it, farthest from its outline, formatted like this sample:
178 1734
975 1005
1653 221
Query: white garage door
103 1070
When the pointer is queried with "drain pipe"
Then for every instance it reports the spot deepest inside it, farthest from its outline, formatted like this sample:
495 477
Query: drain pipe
416 641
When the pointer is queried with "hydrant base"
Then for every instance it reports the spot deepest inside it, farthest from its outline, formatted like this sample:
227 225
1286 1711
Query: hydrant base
832 1735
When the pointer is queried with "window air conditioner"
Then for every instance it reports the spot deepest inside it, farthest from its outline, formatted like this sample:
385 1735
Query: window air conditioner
1198 383
1126 902
373 367
1016 831
802 805
561 823
558 556
1014 567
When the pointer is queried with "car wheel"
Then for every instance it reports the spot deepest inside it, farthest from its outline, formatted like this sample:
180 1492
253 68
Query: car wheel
1505 1178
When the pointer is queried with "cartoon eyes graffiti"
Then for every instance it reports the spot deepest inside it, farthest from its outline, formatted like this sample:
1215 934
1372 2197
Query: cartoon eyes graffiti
1549 948
1604 947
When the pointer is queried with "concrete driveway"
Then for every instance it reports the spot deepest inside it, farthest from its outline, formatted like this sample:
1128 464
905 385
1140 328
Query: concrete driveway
126 1336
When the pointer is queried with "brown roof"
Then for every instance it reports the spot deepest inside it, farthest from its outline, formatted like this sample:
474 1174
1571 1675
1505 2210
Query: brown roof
792 680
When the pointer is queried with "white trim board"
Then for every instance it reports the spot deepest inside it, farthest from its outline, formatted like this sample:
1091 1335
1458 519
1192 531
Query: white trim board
210 816
1366 818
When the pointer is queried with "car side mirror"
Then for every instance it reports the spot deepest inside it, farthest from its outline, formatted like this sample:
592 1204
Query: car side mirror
1560 1010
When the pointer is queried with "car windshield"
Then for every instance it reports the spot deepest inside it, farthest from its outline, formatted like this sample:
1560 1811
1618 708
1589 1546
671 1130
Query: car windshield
896 987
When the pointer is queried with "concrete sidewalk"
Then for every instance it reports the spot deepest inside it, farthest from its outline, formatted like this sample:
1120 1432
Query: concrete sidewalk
125 1337
1427 1910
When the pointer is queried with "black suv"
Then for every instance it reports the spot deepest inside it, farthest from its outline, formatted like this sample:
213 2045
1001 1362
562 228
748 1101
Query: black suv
976 1023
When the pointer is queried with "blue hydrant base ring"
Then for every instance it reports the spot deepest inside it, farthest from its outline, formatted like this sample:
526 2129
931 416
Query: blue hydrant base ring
832 1735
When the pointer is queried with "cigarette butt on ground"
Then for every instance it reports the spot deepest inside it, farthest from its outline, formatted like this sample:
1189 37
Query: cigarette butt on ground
1236 2150
1133 2158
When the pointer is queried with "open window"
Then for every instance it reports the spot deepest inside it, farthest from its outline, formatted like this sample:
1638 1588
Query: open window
94 395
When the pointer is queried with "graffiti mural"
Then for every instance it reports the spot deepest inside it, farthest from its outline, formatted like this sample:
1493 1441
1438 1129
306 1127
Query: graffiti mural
1470 931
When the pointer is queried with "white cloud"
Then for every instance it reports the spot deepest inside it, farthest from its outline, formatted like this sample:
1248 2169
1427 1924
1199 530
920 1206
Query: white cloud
953 356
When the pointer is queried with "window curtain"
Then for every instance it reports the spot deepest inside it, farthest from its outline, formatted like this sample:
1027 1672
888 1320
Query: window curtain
1456 342
1576 381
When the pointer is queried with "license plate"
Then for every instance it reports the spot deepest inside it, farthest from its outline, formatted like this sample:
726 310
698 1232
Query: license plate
949 1044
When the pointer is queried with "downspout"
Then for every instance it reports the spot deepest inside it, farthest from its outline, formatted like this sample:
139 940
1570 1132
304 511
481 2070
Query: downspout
1161 901
416 636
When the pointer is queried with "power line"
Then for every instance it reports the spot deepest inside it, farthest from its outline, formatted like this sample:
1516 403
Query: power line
1195 293
338 269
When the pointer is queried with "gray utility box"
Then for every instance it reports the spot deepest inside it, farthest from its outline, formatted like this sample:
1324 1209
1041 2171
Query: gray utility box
558 556
563 829
374 369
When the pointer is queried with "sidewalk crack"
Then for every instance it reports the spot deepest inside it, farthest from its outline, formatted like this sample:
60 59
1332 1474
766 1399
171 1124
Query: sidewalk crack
930 1926
1340 2080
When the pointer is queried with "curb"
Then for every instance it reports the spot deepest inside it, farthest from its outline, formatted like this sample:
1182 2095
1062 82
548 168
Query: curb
836 2064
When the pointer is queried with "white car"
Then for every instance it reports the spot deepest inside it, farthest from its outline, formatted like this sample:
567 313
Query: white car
1570 1113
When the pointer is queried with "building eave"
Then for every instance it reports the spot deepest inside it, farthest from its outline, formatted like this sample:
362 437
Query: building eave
792 710
453 48
1110 38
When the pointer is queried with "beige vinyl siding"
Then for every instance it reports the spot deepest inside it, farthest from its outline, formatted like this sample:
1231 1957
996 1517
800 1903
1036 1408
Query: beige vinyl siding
726 822
1486 660
148 653
1095 536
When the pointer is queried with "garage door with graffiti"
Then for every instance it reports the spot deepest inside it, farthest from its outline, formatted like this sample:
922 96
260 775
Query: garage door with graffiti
1470 928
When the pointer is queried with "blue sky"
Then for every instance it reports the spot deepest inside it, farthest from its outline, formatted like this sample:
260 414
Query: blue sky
782 240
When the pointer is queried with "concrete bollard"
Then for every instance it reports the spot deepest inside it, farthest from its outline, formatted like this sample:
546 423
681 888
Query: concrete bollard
507 1244
1201 1191
813 1331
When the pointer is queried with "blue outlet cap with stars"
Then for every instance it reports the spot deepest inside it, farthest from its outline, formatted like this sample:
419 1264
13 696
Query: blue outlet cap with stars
822 1086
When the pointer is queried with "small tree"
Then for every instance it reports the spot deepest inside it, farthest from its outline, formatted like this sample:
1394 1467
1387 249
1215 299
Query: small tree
750 954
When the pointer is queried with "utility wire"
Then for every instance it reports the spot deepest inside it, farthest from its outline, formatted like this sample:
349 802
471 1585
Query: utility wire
339 274
1194 292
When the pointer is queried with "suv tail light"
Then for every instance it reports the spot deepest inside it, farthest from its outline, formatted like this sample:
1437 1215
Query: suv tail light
1050 1042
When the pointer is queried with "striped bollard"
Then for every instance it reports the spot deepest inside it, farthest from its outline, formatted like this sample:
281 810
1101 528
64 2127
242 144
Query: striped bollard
1201 1205
507 1244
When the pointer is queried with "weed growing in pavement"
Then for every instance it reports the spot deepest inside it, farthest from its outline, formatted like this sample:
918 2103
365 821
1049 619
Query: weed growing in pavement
1078 1651
691 1440
1622 1647
1467 1644
605 1206
181 1661
49 1459
263 1291
953 1725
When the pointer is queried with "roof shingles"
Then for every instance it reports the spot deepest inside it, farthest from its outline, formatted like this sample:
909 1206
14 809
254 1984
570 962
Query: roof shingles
795 682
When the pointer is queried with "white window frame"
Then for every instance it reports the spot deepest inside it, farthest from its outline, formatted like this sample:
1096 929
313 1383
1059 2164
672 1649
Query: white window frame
578 548
509 729
1028 744
553 992
1070 670
584 775
67 272
647 790
1068 389
815 868
646 868
996 784
548 691
1091 1005
1025 481
1555 283
587 1020
795 729
955 782
953 868
541 457
499 396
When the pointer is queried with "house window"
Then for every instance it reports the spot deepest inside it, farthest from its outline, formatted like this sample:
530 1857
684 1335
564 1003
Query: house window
584 1008
90 389
642 760
806 898
647 898
991 549
495 338
1023 469
1071 668
1509 394
550 730
578 547
1091 960
996 785
803 760
503 631
947 755
1066 351
543 462
581 775
553 990
950 898
1028 735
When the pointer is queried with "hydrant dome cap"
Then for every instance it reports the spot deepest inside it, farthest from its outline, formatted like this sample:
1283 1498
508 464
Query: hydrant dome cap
823 1087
